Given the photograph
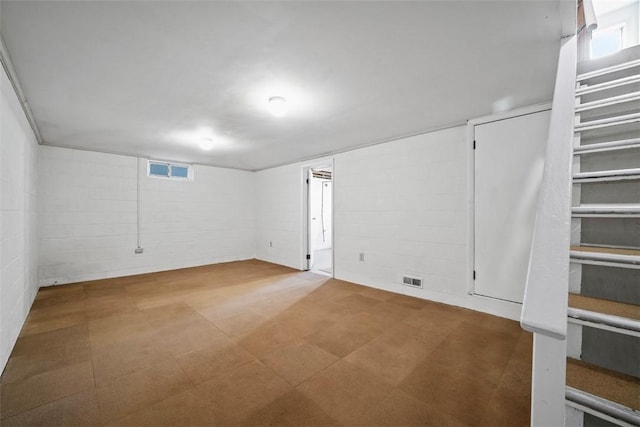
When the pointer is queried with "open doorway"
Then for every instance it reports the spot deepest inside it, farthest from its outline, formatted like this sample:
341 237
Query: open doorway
320 220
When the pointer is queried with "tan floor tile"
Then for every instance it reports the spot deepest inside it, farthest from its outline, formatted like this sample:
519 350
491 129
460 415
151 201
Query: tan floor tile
293 409
435 317
389 313
240 324
495 355
55 310
298 361
19 368
407 302
118 328
507 409
103 288
212 362
452 386
39 344
494 324
160 299
330 291
126 357
189 335
345 392
76 410
170 315
392 356
105 306
143 287
51 323
267 338
375 293
517 376
150 339
183 409
52 295
301 324
484 362
274 308
129 393
400 409
353 303
46 387
341 338
236 395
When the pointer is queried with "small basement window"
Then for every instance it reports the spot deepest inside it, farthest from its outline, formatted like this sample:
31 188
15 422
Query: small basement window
168 170
606 41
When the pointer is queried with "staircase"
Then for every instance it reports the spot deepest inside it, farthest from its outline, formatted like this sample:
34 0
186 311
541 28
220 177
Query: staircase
603 332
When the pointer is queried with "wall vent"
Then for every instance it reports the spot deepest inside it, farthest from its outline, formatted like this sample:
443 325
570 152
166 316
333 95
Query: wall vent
414 282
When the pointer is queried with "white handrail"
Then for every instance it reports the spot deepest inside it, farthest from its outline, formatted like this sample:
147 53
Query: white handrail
589 15
544 308
603 406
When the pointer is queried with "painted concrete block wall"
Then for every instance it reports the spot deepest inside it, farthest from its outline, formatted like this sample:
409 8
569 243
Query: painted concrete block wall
89 214
18 216
279 215
207 220
403 204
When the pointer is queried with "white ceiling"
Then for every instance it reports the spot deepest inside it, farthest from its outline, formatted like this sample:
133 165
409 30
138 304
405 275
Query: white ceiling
152 78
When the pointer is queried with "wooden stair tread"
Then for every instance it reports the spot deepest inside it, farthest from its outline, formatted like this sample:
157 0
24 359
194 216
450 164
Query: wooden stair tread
597 249
614 308
613 386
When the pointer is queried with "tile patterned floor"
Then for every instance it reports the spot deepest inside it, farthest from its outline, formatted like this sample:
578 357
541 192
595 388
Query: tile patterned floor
252 343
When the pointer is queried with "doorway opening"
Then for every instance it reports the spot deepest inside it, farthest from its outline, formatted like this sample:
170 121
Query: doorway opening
320 220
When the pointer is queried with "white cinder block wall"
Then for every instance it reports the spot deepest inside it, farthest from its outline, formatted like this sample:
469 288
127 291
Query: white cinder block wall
89 213
279 215
18 218
403 203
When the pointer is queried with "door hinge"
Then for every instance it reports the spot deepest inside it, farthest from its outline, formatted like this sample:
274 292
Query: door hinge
307 180
474 275
308 256
474 144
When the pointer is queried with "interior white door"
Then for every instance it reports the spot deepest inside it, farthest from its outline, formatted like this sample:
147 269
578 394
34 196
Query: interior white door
509 161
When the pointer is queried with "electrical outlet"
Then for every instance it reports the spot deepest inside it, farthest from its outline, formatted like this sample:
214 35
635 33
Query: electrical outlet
361 256
138 250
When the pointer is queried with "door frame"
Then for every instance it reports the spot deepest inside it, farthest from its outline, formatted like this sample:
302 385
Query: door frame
305 169
471 182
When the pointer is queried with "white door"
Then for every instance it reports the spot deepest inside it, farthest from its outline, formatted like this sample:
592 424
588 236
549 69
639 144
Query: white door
509 161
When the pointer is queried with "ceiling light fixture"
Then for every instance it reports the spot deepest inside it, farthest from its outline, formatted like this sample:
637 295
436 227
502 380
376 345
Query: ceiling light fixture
278 106
206 144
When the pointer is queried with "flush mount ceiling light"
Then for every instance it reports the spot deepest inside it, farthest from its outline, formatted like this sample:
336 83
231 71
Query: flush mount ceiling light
206 143
203 137
279 98
278 106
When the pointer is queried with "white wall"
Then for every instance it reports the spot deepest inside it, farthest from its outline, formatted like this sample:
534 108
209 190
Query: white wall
279 210
18 238
88 217
403 203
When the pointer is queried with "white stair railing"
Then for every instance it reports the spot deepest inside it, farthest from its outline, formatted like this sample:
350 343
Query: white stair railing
544 310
